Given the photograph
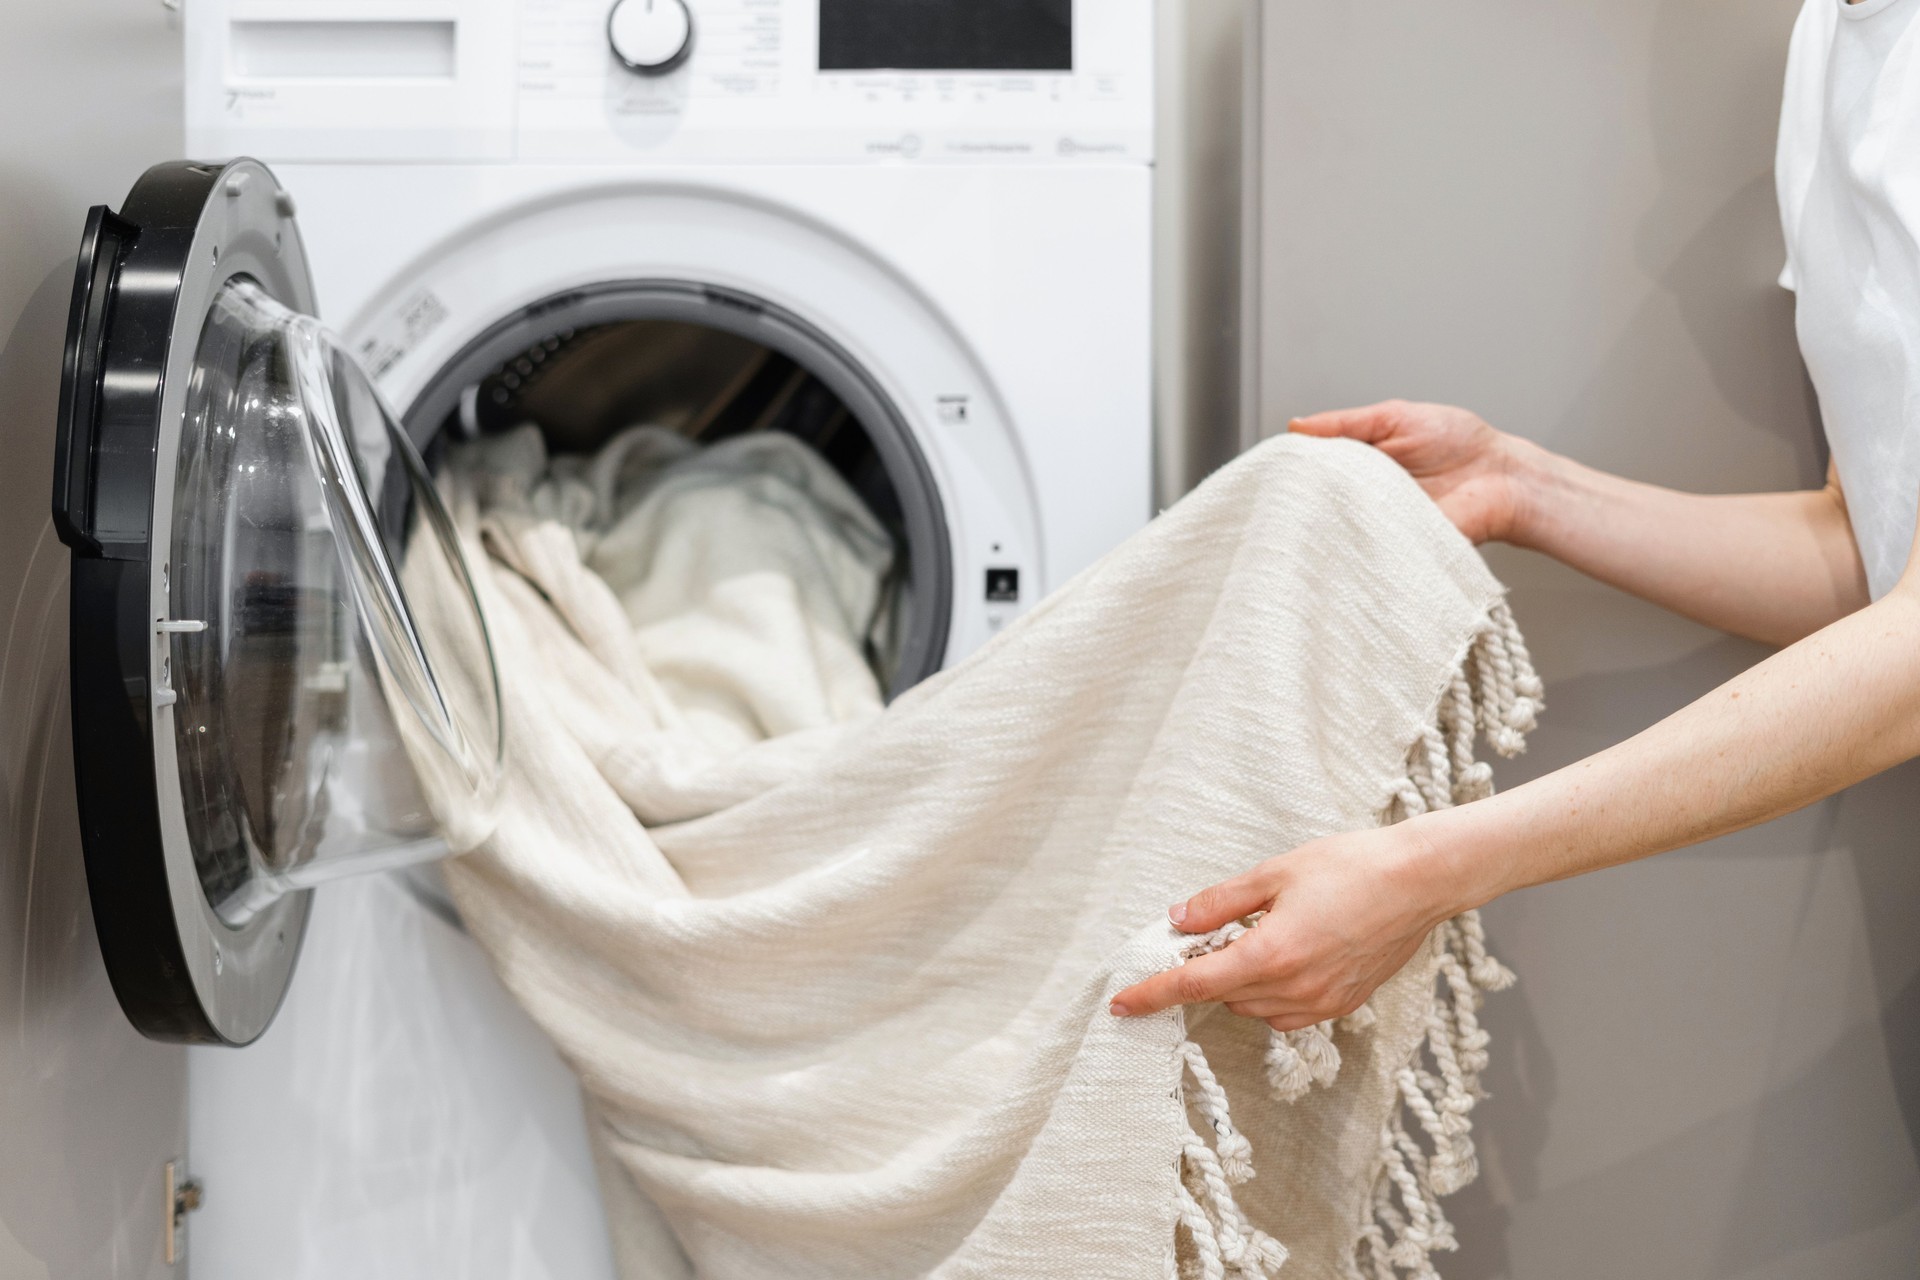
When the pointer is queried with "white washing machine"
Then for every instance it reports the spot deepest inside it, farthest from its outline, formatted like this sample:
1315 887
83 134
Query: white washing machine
914 232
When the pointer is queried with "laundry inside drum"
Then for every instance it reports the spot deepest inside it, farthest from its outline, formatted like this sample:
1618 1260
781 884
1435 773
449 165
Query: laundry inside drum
585 386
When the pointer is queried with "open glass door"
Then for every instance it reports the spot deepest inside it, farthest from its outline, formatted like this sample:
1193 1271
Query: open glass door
256 707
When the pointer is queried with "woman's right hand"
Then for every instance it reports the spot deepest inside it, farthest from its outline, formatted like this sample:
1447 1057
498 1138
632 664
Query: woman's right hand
1469 469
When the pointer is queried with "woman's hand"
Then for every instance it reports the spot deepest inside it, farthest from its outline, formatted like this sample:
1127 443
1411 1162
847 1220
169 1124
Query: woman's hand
1469 469
1773 567
1343 915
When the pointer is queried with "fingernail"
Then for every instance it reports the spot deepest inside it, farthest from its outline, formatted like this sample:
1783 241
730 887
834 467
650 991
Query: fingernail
1117 1009
1177 913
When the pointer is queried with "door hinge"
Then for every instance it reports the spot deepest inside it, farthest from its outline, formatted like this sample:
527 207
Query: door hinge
182 1198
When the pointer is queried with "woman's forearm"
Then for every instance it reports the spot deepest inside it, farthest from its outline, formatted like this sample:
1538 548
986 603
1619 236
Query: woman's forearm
1833 709
1343 913
1773 567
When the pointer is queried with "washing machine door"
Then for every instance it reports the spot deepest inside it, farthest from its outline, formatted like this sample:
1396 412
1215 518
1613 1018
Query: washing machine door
280 674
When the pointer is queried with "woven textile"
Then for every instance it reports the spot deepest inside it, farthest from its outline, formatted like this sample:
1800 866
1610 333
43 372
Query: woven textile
835 979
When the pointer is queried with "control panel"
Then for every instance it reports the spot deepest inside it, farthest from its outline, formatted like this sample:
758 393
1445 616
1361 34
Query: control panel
672 81
650 37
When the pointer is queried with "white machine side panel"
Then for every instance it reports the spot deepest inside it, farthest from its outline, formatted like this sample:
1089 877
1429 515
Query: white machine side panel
401 1120
536 80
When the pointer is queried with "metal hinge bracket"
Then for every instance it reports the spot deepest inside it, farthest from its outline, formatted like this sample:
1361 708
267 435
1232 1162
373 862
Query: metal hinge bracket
182 1198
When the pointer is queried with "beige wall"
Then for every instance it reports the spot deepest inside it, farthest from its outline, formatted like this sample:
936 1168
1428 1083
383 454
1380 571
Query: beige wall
89 1112
1561 214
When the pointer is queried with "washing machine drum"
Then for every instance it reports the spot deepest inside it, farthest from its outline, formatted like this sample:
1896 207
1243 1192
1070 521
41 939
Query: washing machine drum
253 698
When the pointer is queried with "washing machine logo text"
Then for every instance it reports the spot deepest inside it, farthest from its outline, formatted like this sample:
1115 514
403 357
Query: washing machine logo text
906 146
416 317
1080 147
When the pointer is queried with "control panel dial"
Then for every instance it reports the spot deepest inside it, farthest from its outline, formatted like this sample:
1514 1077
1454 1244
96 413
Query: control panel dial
650 37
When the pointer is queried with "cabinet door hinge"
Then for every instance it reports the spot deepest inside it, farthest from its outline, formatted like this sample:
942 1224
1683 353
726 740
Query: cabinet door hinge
182 1198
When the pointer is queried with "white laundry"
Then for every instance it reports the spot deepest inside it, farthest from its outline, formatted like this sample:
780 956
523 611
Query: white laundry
838 997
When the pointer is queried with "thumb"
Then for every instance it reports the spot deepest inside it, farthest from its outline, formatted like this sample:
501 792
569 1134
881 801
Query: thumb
1369 424
1224 902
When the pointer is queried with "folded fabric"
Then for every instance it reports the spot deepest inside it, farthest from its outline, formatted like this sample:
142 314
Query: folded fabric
835 981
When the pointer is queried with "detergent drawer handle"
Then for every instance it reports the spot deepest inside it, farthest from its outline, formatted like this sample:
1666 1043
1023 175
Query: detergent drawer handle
102 246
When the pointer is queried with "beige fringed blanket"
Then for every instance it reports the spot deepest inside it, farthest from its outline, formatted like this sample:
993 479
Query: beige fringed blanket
836 981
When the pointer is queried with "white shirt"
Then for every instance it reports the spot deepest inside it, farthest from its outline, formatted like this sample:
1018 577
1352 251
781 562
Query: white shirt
1848 172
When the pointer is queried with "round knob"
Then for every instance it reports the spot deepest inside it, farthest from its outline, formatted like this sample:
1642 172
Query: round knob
651 37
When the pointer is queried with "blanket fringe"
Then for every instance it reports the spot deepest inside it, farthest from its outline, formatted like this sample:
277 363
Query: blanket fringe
1495 694
1225 1243
1296 1061
1426 1147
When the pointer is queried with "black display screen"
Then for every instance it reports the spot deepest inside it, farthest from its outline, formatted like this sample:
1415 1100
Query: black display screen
946 35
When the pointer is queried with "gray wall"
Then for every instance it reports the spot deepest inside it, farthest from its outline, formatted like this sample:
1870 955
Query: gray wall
1561 215
89 1112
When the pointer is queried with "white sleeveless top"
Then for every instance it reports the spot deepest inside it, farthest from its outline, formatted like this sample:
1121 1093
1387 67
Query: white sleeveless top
1848 172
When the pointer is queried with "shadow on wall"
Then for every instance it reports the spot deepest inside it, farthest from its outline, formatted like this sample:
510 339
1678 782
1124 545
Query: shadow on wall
1799 1155
1813 1122
1718 283
79 1084
1710 241
1730 1086
1562 217
1719 261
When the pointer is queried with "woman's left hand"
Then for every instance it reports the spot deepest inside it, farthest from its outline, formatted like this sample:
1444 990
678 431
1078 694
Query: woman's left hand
1343 915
